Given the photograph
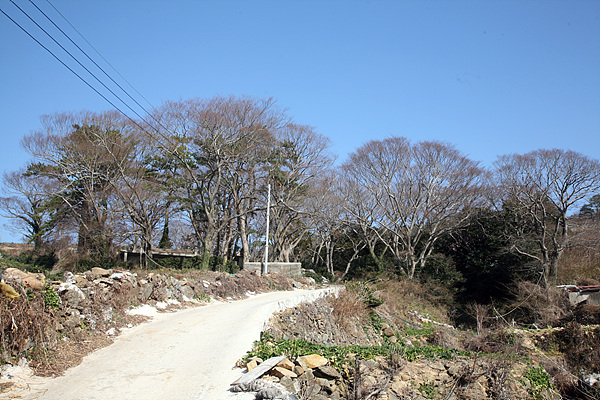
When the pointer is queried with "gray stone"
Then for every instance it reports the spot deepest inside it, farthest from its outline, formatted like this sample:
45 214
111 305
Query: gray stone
327 372
102 272
146 292
72 295
288 384
73 320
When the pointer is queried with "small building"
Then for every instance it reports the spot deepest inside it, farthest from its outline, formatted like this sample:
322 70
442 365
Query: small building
583 294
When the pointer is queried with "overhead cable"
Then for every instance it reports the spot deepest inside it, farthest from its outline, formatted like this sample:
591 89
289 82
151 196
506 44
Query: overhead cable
97 52
76 60
88 57
70 69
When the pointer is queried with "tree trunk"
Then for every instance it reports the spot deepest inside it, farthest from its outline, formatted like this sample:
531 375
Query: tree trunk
242 226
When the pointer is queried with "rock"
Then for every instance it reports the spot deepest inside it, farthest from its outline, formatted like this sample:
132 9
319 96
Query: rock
298 370
389 332
72 295
288 384
286 363
74 320
80 281
280 372
146 292
393 339
312 361
253 363
188 292
327 372
28 279
326 385
102 272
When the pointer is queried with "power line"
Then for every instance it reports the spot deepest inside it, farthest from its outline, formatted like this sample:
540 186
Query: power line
70 69
84 80
105 73
89 58
77 61
97 52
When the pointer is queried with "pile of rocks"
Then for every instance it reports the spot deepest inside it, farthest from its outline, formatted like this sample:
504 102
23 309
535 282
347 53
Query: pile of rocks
312 377
99 299
308 377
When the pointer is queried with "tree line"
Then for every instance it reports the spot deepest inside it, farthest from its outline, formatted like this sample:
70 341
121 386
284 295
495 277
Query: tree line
194 175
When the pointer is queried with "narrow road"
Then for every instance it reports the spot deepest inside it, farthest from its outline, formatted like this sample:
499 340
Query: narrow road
187 355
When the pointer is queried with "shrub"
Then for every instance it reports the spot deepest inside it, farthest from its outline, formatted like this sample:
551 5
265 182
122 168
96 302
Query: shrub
539 306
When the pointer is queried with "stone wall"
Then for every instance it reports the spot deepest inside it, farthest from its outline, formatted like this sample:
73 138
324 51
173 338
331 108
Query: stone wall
291 270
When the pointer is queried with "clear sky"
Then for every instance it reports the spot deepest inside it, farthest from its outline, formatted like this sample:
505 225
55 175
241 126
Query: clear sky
490 77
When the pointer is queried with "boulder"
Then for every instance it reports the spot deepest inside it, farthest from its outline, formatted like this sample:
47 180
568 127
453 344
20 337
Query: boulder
312 361
327 372
280 372
102 272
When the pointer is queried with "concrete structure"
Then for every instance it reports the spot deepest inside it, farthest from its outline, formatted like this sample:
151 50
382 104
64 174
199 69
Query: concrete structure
583 294
134 255
291 270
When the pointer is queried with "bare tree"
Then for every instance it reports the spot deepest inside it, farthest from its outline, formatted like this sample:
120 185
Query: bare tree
360 216
27 205
299 156
213 166
72 154
420 192
543 186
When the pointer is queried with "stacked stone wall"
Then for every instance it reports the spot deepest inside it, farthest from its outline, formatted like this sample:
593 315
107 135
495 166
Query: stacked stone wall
290 270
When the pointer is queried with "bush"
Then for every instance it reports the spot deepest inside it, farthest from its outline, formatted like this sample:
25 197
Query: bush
539 306
580 347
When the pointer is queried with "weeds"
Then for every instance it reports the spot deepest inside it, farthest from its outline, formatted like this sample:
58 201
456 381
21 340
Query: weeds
539 381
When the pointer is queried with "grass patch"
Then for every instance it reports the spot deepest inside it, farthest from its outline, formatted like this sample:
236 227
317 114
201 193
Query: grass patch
268 347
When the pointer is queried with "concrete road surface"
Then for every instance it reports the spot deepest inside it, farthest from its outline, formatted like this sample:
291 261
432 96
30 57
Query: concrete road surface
187 355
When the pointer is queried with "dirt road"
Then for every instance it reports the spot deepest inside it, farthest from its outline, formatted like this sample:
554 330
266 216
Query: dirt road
187 355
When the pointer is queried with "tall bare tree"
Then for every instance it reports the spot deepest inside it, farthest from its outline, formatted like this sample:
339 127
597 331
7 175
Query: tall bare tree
216 144
27 205
543 186
299 156
420 192
70 149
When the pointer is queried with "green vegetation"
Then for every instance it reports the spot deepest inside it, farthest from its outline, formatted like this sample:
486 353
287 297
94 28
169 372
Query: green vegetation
539 381
268 347
425 330
51 298
428 390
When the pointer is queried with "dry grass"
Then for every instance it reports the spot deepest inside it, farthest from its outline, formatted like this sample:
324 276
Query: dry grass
402 298
349 310
539 306
69 353
27 325
578 263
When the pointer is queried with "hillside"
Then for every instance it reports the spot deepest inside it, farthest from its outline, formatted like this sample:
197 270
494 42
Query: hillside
382 339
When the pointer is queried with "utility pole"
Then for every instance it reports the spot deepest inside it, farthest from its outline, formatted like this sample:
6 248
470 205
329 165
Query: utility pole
265 269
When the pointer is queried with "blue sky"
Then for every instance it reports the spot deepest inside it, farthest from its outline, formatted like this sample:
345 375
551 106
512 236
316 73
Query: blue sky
490 77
